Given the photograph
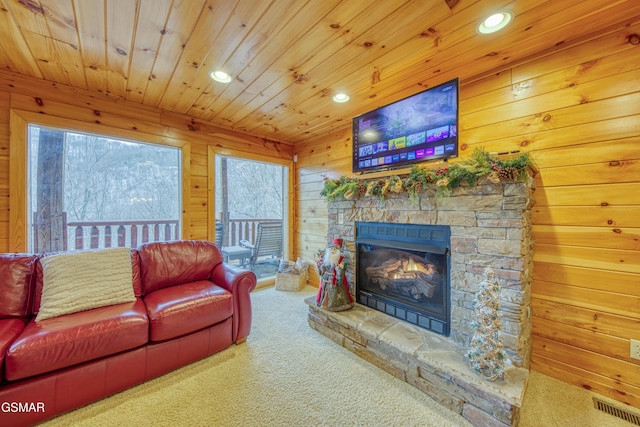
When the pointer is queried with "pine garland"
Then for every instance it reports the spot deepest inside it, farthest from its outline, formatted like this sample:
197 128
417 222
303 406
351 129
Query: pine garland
486 356
468 170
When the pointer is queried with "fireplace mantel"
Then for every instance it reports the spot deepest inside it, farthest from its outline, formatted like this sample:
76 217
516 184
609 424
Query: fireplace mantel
490 227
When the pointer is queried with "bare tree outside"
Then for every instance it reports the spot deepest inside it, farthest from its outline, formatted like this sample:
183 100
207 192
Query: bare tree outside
256 189
108 179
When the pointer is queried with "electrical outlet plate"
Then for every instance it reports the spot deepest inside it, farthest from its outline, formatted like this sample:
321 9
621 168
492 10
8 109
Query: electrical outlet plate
635 349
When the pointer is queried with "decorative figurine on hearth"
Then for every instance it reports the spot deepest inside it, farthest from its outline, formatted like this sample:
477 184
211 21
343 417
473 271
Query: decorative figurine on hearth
333 293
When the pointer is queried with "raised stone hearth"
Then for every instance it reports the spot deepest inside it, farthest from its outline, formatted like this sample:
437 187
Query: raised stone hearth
490 227
428 361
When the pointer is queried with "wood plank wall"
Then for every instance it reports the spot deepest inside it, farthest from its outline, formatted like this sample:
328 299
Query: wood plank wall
5 101
57 105
577 111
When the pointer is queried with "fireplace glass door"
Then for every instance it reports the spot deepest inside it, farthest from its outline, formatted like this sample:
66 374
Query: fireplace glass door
403 270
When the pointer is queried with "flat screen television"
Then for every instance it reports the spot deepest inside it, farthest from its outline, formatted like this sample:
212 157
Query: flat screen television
416 129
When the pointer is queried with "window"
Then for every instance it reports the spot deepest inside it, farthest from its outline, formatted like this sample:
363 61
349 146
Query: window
89 191
251 213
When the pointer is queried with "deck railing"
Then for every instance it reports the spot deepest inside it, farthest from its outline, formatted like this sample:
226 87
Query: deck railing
82 235
243 229
112 234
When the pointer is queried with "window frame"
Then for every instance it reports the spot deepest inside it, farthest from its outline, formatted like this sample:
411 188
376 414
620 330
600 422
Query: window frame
18 166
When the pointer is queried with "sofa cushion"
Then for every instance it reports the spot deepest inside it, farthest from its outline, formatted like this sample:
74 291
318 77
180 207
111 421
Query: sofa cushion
39 278
76 338
78 281
9 331
16 284
179 310
164 264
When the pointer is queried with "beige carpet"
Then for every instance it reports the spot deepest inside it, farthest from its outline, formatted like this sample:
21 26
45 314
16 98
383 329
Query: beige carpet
286 374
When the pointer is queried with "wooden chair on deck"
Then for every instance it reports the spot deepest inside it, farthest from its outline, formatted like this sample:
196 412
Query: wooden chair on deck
219 233
268 243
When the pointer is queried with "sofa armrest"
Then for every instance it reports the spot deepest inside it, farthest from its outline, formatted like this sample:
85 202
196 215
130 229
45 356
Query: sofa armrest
240 283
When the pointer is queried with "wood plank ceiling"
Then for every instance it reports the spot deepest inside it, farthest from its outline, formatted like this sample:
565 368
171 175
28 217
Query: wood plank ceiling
287 57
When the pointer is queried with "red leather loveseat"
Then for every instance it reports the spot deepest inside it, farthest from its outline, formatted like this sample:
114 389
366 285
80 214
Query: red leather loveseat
186 304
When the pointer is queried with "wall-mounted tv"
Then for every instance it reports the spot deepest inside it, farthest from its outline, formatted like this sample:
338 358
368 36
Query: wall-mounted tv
418 128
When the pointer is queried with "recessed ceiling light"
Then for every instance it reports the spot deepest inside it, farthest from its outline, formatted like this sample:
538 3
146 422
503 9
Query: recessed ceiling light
220 76
340 97
495 22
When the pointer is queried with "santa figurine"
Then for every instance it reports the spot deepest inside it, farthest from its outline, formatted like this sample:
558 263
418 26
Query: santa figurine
333 293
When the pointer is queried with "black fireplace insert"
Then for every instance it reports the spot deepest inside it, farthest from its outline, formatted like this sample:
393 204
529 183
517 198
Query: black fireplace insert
403 270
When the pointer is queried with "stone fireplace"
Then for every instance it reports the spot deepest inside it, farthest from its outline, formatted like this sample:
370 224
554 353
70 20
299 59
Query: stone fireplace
489 226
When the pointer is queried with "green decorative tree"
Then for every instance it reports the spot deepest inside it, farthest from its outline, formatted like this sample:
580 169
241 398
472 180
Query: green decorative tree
486 356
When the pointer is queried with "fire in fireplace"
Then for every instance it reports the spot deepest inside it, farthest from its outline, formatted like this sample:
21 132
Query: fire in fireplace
403 270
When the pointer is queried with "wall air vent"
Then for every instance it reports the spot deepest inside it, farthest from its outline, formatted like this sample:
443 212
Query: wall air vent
616 411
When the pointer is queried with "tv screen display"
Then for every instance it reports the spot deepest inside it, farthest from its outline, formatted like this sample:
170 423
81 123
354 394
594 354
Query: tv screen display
418 128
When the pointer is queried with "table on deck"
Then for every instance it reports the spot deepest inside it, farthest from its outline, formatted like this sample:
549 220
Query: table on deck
239 253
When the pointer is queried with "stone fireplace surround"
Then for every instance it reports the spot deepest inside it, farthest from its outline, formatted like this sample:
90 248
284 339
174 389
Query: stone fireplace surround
490 227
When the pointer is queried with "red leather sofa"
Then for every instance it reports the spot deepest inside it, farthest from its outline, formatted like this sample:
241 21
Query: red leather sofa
188 305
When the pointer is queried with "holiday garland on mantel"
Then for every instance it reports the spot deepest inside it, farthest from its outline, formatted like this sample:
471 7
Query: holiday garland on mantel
468 170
